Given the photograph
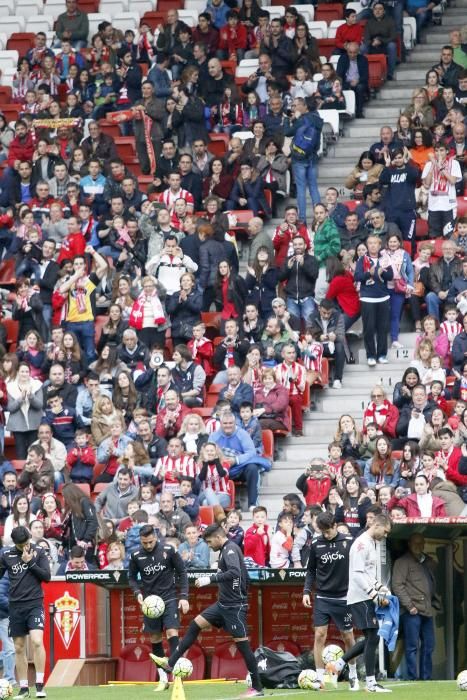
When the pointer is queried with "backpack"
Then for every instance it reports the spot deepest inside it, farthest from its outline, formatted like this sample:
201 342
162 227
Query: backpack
277 669
306 141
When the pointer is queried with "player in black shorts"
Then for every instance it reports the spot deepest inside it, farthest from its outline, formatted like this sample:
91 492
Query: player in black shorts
230 611
155 569
328 569
27 567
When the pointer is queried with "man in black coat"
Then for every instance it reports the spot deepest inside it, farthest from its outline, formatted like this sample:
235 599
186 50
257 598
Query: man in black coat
300 272
191 181
353 70
415 415
46 277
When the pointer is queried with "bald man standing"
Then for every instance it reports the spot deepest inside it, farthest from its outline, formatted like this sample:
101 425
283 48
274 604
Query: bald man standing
258 239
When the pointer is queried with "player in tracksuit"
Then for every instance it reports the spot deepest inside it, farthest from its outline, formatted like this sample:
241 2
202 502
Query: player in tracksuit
230 611
328 569
154 570
28 567
364 592
399 181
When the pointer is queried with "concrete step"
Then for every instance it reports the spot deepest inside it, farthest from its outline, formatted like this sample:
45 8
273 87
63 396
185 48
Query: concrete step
352 404
395 357
406 73
383 111
390 92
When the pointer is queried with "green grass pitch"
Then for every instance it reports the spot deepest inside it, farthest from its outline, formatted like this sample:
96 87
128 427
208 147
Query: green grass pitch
435 690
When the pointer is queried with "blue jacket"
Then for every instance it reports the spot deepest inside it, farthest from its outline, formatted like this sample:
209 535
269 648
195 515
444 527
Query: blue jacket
4 597
388 479
218 14
363 70
241 446
243 392
200 555
291 128
389 618
159 78
378 290
253 428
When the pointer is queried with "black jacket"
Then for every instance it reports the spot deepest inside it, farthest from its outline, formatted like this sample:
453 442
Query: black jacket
25 579
156 572
185 313
300 279
363 71
328 566
231 576
236 293
261 292
47 282
406 414
240 351
156 449
82 528
211 252
131 360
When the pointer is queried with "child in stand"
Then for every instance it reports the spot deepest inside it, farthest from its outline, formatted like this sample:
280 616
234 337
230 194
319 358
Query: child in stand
292 375
214 423
315 482
435 373
335 460
30 104
125 524
234 530
367 449
252 110
282 543
451 326
227 117
188 499
312 356
202 349
302 85
336 100
251 424
81 459
460 235
456 417
257 544
144 49
437 395
303 539
147 499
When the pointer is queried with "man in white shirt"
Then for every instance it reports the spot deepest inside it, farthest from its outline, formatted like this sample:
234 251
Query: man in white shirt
170 265
364 593
440 175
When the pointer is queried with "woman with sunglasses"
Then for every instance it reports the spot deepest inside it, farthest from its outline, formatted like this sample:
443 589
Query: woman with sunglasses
382 412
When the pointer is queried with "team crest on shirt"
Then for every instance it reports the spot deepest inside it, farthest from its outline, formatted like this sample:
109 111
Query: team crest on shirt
344 544
164 554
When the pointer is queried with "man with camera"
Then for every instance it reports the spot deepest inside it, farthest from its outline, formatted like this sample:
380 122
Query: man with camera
327 324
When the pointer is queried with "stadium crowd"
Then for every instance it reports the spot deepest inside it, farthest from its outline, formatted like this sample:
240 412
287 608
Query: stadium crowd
127 399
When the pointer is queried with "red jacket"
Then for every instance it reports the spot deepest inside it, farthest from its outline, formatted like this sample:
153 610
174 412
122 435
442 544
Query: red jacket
283 239
204 355
257 546
342 289
21 150
231 39
314 490
73 244
165 432
452 473
346 33
410 505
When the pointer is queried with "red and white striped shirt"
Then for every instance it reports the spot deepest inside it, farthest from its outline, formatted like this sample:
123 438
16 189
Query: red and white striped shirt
285 374
169 198
313 357
214 481
451 330
170 469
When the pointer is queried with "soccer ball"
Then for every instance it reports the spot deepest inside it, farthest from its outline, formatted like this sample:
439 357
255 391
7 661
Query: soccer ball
331 653
153 606
307 680
6 689
461 681
183 668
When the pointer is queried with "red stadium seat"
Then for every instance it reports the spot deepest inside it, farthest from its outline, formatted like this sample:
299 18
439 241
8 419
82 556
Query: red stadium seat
109 128
165 5
324 374
462 206
217 148
227 662
451 404
421 228
125 146
5 94
326 47
329 12
198 658
283 645
21 42
11 328
232 494
99 323
98 488
202 411
377 66
215 388
144 181
153 19
212 321
283 433
7 268
206 515
229 67
9 450
134 664
396 454
89 6
211 400
18 464
268 444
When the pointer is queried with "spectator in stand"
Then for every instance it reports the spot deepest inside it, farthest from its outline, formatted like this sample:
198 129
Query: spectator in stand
374 295
25 405
415 415
257 544
382 469
441 276
81 515
342 290
286 232
304 164
72 26
113 502
421 504
194 551
326 324
382 412
448 71
349 33
170 418
213 477
380 36
280 48
236 391
9 492
292 375
352 69
326 243
300 273
272 402
439 176
81 459
22 146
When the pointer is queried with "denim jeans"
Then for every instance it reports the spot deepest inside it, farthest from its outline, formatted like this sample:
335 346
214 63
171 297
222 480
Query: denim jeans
389 49
418 634
47 314
8 652
302 309
209 497
84 331
397 302
305 175
433 303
